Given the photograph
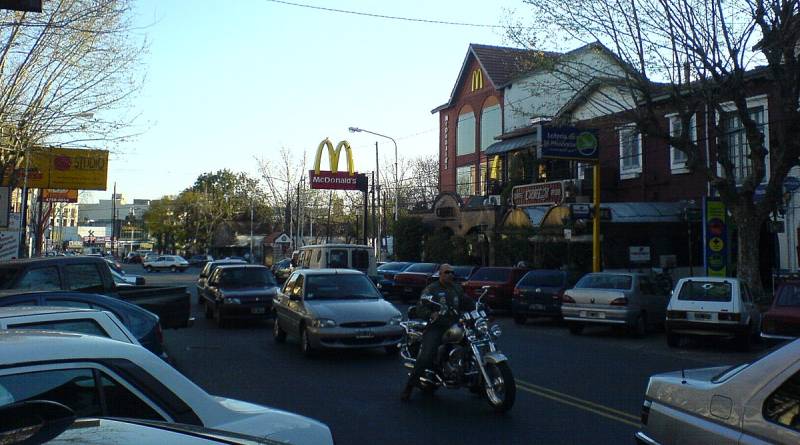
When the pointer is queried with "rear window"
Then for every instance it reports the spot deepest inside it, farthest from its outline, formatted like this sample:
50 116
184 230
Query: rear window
360 259
789 295
491 274
7 276
337 259
705 291
422 268
605 281
393 267
542 278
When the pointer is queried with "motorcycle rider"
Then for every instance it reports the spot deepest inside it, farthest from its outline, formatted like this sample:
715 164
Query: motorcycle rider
450 295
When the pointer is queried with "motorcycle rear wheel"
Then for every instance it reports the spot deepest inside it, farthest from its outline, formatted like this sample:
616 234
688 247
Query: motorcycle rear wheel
502 390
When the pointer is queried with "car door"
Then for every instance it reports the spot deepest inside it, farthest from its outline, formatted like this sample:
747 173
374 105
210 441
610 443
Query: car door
772 415
294 305
281 302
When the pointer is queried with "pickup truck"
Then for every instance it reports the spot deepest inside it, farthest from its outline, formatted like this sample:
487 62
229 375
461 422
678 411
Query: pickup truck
172 304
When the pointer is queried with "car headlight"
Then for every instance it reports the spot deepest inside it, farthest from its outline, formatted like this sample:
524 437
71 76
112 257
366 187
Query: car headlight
380 285
394 321
495 330
229 300
323 323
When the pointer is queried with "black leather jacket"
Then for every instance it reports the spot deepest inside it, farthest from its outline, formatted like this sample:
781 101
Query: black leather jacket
451 297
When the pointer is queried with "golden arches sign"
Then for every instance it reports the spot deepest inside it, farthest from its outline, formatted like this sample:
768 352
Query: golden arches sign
333 156
494 169
477 79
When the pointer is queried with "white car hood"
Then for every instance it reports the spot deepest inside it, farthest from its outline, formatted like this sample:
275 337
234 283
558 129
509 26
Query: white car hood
274 424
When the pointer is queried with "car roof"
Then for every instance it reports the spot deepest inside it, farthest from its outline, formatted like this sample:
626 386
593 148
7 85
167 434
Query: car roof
53 259
114 303
335 245
330 272
16 311
227 261
38 346
712 279
241 266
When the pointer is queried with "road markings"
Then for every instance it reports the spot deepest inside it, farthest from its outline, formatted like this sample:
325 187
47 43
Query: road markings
596 408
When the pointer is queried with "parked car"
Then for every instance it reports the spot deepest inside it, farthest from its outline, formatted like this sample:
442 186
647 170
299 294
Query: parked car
173 263
282 269
121 279
710 306
782 320
337 309
751 403
206 272
461 274
96 376
200 260
339 256
539 293
132 258
632 300
66 319
172 304
409 283
386 273
501 282
239 291
144 325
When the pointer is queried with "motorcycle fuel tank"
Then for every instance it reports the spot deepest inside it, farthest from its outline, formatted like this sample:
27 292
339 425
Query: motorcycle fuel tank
453 335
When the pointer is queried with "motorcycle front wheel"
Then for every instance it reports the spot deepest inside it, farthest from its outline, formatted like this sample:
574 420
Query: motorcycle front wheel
500 390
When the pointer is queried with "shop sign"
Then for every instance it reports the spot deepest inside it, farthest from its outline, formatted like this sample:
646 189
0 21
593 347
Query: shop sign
334 179
543 193
639 254
63 168
58 195
569 143
9 245
715 221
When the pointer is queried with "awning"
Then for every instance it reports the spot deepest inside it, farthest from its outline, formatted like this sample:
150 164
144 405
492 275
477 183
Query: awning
517 143
526 217
645 212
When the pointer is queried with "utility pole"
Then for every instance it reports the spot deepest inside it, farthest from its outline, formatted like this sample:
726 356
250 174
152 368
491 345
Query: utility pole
251 230
297 217
113 215
374 232
378 198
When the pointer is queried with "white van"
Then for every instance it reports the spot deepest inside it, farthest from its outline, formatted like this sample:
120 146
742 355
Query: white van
338 256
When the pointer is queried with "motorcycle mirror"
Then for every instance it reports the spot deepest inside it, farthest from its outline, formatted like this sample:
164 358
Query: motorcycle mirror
487 287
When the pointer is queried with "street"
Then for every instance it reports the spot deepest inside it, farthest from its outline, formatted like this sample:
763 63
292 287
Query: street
570 389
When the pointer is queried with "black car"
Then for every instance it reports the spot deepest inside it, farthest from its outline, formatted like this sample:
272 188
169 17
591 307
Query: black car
539 293
239 292
143 324
205 273
386 273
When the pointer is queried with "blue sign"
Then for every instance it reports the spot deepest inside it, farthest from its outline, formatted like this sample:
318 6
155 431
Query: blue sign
570 143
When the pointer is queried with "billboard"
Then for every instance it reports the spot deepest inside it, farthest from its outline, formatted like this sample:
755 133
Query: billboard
334 179
543 193
64 168
58 195
716 238
570 143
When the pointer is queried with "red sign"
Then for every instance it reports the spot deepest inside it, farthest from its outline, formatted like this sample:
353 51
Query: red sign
543 193
336 180
58 195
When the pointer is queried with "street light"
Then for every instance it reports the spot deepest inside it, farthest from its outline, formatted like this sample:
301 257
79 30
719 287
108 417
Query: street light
397 185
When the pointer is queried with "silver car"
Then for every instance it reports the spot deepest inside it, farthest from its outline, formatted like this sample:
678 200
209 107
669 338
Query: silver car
752 403
335 308
633 300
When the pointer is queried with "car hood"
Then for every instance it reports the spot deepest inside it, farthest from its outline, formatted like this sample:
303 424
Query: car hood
347 311
250 292
261 421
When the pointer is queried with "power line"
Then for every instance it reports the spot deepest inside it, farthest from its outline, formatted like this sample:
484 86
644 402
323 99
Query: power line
388 17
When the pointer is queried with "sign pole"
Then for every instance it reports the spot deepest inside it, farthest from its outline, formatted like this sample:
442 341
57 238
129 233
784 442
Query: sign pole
596 219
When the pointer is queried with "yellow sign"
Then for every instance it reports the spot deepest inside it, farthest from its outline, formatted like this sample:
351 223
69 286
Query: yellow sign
64 168
333 156
716 244
477 79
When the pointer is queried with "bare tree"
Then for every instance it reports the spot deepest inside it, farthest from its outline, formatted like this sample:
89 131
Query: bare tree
62 72
703 57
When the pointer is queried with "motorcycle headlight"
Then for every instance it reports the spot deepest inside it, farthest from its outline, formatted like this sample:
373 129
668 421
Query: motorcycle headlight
229 300
394 321
323 323
495 330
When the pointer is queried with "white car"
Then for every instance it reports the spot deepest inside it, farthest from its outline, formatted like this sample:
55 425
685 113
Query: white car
752 403
68 319
95 376
163 262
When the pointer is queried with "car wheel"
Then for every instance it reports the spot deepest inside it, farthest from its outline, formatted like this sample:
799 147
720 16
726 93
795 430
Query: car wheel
673 340
520 318
278 334
148 268
173 269
575 328
209 312
639 327
305 342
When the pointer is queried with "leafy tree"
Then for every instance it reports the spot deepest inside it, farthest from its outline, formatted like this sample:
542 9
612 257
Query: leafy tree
409 234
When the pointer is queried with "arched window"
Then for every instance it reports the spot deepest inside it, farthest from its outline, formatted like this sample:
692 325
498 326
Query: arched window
465 137
491 123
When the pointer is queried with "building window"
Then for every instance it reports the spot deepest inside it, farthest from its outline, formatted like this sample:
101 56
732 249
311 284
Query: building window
678 158
465 138
630 152
490 125
465 180
733 132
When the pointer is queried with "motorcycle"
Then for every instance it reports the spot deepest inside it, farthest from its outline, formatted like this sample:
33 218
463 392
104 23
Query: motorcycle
467 357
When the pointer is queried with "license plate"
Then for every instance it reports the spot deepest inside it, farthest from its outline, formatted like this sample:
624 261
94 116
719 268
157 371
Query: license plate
537 307
702 316
588 314
365 334
258 310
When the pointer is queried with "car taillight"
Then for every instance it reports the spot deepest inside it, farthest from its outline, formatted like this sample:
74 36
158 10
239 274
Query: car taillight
728 316
567 299
619 302
646 411
676 315
159 334
517 293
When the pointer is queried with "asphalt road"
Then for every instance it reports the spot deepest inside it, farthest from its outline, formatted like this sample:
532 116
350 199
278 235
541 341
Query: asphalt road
570 389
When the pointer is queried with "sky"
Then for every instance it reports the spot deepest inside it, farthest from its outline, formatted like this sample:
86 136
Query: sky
228 84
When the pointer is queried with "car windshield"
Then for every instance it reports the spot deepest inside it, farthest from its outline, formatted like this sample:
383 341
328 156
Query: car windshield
719 291
605 281
543 278
497 274
247 277
789 295
421 268
393 267
339 287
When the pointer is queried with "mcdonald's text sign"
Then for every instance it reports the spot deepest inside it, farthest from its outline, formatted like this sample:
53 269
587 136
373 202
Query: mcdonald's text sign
334 180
